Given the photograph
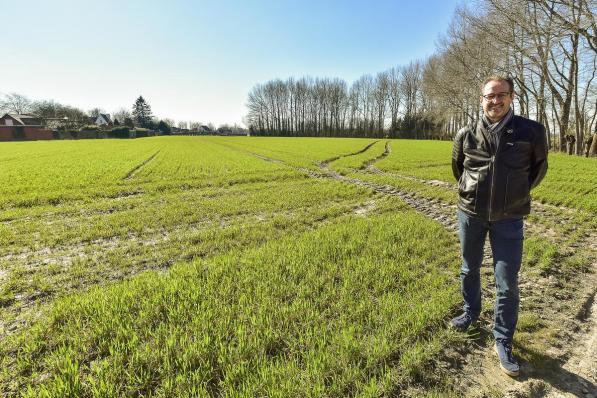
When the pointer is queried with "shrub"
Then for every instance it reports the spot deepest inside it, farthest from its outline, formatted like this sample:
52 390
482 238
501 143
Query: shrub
141 132
119 132
90 127
67 135
88 134
164 128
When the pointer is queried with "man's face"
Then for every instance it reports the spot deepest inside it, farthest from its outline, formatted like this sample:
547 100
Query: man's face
496 100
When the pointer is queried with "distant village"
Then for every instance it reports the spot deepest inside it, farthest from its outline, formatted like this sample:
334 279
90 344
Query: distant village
16 125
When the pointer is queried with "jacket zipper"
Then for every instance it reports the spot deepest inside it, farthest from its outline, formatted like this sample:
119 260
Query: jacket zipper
492 183
492 164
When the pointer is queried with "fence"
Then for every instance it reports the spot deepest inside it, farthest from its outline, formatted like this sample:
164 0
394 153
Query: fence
25 133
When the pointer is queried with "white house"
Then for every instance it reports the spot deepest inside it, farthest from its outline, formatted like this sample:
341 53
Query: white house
102 119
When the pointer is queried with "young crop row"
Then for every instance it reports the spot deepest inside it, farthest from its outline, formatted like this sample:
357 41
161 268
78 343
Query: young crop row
430 160
571 182
39 173
195 199
52 254
61 172
34 173
352 308
282 284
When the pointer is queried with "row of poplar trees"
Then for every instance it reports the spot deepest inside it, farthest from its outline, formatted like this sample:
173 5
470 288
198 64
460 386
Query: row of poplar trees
549 48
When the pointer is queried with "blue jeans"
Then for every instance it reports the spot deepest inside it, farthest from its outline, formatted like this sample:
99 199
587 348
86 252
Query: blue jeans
506 237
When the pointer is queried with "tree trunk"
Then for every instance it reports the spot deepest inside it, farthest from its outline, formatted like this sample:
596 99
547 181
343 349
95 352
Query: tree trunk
570 140
593 148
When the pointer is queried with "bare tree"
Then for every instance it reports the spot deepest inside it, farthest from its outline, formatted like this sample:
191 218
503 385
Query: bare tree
546 46
169 122
15 103
121 114
95 112
56 115
573 15
381 95
394 98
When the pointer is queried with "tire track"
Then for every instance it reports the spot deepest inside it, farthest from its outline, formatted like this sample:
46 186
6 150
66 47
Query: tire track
138 167
543 211
386 153
432 208
333 159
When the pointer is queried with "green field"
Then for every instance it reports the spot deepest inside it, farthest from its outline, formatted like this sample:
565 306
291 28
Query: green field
237 266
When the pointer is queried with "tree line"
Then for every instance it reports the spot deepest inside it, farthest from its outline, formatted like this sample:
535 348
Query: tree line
387 104
65 117
549 48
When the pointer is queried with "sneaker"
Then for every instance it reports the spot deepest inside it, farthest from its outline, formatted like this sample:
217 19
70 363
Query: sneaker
508 363
462 322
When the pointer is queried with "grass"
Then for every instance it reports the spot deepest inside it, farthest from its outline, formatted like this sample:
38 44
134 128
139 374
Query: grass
570 180
351 307
80 249
189 266
429 160
173 268
349 164
301 151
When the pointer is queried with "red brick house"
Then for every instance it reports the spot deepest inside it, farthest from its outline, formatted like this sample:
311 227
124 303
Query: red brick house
11 119
15 127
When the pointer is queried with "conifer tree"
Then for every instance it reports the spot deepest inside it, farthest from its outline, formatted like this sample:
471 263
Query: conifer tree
142 113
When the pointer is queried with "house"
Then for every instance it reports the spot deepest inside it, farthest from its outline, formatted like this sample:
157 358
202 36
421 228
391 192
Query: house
15 127
12 119
103 119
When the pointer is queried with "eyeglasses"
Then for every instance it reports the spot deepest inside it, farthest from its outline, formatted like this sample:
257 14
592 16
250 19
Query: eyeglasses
498 96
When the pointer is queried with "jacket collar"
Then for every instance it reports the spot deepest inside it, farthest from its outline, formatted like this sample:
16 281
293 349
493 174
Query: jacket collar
482 133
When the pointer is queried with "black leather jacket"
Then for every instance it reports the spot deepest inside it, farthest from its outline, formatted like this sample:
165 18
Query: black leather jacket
496 186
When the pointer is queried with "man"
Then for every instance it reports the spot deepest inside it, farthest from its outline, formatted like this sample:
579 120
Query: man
497 163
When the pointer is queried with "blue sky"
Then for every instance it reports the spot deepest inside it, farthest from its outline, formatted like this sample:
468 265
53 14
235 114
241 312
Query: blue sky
197 60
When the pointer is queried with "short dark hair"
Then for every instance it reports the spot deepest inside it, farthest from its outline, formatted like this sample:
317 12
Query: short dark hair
498 78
